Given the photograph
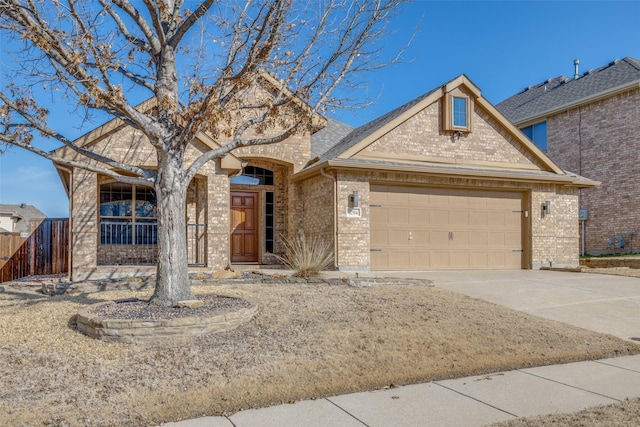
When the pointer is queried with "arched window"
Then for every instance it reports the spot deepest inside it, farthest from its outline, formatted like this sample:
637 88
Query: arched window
127 214
253 175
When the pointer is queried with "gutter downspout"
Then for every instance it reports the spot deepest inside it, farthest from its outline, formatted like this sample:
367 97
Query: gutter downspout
70 194
335 215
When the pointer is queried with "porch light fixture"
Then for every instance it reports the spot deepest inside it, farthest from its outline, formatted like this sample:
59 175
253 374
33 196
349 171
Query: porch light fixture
353 200
546 208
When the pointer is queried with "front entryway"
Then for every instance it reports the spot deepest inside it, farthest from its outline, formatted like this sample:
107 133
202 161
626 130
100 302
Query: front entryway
244 227
419 228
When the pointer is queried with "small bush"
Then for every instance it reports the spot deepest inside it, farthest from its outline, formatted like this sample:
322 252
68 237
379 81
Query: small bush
307 256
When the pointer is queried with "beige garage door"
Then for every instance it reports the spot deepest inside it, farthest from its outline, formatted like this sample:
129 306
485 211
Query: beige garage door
416 228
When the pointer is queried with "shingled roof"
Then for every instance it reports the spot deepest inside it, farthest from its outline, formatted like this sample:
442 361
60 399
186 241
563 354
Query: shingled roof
563 92
328 136
24 213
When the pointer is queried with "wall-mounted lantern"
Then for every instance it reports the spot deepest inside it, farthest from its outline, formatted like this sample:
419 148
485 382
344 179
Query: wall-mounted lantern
353 200
546 208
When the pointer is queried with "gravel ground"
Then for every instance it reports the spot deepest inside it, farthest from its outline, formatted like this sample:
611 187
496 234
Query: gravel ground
130 309
307 340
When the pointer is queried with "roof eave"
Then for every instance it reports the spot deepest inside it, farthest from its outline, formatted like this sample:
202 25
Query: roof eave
346 164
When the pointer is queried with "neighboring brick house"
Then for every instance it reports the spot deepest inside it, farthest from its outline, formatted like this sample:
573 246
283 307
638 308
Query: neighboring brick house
444 181
590 125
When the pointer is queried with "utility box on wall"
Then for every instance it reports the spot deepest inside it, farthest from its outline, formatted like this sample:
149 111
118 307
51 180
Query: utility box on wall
583 214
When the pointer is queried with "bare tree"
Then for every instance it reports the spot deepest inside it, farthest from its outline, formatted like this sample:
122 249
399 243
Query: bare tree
197 62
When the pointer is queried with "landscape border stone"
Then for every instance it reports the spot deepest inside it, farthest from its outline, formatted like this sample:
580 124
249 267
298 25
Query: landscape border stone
137 330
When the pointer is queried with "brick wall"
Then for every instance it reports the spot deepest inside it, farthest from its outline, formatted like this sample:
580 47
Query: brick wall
422 138
601 141
554 237
313 210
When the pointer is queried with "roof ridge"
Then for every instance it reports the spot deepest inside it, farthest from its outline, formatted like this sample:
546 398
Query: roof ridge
632 61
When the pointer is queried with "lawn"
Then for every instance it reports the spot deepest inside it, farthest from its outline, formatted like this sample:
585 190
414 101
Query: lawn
307 341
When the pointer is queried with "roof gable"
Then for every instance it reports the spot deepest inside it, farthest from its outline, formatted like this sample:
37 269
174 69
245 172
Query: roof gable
561 93
413 133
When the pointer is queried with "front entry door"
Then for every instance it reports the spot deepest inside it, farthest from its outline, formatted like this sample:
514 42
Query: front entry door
244 227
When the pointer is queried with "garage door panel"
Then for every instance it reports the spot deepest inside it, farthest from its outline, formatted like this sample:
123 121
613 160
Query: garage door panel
478 259
439 228
459 238
418 217
399 237
513 239
512 258
459 218
496 259
439 200
440 259
439 238
380 260
513 219
420 238
419 260
496 239
496 219
398 216
478 202
400 259
379 237
459 259
398 198
478 238
379 216
479 219
439 217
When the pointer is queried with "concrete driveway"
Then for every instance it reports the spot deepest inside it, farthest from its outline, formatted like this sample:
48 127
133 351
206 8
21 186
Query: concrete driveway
602 303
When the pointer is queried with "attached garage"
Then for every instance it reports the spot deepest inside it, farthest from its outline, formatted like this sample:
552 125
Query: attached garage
431 187
418 228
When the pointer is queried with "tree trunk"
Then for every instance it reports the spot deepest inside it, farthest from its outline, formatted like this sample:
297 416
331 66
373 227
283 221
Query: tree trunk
172 283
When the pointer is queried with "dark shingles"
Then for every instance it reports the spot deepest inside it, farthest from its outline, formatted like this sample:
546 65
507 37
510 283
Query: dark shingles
329 136
560 91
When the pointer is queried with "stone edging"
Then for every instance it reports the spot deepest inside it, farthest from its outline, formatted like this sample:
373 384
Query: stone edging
598 262
129 331
351 281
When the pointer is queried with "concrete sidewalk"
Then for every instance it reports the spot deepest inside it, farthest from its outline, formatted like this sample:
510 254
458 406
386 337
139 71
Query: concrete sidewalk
602 303
471 401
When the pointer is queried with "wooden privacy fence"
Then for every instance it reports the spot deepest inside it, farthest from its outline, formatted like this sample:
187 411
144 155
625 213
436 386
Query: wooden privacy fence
9 243
46 251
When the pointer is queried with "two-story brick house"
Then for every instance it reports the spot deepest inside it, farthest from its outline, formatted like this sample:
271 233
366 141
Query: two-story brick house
590 125
442 182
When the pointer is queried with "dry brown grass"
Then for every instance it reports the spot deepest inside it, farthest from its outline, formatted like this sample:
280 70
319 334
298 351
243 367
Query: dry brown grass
307 341
624 414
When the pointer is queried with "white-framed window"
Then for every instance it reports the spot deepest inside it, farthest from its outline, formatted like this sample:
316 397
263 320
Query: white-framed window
459 112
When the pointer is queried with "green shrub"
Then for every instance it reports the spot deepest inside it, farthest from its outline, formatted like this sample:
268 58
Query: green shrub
307 256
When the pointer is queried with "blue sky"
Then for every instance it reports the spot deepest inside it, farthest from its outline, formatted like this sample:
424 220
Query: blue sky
502 46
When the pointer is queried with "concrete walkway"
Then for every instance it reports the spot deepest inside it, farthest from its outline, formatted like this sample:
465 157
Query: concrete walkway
609 304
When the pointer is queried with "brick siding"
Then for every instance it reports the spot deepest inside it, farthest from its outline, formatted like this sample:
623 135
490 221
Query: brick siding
601 141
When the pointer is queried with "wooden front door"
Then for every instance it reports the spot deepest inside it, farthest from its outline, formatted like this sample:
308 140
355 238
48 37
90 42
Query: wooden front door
244 227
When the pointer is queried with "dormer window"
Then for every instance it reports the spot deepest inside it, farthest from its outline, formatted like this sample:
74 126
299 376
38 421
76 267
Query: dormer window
457 108
459 112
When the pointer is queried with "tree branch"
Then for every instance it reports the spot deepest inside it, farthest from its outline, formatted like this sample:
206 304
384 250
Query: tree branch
189 22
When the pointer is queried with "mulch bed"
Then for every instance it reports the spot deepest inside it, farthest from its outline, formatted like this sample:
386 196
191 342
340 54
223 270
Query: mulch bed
141 309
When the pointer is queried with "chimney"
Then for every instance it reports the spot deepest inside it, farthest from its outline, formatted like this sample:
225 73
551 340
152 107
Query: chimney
576 62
